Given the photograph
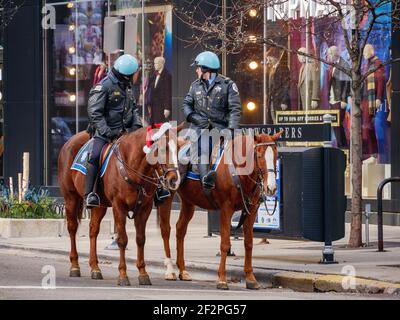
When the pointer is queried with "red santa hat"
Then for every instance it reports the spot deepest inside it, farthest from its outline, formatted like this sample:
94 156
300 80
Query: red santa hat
151 138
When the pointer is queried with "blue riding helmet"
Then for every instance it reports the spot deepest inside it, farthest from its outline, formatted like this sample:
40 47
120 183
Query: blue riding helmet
126 65
208 60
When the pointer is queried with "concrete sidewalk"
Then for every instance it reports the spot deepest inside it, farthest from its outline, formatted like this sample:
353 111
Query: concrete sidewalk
292 264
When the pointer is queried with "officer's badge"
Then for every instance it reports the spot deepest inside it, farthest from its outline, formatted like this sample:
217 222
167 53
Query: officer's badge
235 88
198 92
98 88
218 89
117 93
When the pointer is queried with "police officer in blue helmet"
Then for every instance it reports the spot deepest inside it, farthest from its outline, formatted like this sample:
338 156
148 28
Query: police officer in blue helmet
112 111
213 102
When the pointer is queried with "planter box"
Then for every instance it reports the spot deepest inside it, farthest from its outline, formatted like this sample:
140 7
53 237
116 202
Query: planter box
33 228
29 228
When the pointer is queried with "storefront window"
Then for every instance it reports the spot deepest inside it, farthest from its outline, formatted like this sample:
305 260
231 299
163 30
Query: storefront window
75 59
150 40
300 90
277 86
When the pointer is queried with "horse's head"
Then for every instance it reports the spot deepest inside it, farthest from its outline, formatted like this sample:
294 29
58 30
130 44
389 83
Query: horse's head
265 151
165 151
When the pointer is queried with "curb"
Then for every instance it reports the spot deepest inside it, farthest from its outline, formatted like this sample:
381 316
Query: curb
309 282
297 281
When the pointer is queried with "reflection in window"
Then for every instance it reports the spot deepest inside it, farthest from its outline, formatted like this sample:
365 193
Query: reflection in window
75 61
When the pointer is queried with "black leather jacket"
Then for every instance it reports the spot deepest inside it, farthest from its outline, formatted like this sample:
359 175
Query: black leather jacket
112 108
218 106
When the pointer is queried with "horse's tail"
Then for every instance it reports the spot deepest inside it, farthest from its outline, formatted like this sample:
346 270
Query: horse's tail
158 217
242 219
80 212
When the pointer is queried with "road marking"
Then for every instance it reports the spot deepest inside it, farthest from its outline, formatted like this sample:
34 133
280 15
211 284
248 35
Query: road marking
117 288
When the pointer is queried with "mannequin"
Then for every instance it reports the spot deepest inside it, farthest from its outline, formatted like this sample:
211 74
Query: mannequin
159 94
338 92
309 84
278 85
372 98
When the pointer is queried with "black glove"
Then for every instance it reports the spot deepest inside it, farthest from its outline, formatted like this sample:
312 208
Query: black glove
133 128
114 133
198 120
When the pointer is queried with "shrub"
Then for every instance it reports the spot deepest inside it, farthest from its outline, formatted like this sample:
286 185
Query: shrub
37 204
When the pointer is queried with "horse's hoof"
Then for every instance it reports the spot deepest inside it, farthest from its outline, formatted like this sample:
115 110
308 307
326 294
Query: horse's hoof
75 273
252 285
170 276
222 285
185 276
96 275
124 282
144 280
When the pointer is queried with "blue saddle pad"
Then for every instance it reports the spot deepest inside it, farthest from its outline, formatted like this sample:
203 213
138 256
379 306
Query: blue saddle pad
193 173
79 163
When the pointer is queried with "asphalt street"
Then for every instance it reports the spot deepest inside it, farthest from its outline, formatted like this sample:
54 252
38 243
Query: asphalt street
28 275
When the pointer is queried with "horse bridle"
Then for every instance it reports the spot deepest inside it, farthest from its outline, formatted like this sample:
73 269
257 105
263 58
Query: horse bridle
158 181
260 173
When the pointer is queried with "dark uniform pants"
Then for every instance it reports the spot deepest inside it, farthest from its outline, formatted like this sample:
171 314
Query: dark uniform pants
94 156
203 142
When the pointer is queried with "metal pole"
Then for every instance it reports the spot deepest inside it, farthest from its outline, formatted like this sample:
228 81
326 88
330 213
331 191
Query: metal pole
224 58
109 56
265 107
306 65
143 64
380 210
76 72
367 216
46 132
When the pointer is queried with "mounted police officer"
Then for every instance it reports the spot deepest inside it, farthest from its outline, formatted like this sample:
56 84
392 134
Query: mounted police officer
213 102
112 111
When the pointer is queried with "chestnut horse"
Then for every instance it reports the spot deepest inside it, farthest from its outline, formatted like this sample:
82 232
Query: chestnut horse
228 197
129 184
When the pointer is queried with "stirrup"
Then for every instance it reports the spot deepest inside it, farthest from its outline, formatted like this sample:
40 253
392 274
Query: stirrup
95 200
161 195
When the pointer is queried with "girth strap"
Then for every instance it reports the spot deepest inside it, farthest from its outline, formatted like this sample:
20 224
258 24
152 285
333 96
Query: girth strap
238 185
208 194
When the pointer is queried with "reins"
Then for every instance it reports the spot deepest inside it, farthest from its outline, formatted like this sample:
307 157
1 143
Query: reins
259 184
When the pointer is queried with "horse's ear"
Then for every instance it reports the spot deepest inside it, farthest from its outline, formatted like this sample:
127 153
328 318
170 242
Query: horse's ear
276 136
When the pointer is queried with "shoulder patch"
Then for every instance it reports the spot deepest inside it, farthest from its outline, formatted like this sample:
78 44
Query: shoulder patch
235 88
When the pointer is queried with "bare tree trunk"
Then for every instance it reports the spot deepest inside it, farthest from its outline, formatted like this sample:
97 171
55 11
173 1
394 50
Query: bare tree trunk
356 157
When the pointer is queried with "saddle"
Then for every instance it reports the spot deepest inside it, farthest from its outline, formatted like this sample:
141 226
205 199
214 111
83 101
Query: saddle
80 160
190 170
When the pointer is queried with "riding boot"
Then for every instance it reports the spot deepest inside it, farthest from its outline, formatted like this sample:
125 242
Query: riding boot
161 195
91 198
207 178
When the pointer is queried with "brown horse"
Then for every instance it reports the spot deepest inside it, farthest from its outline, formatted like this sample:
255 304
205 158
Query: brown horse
129 184
263 151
